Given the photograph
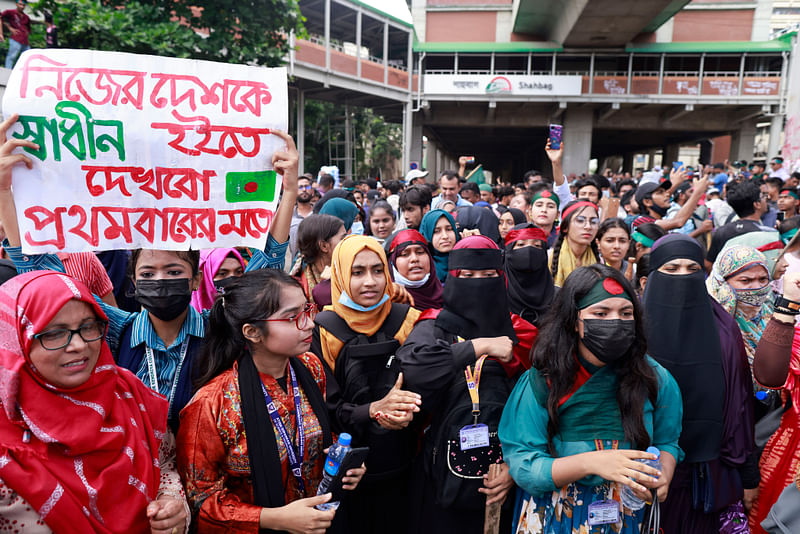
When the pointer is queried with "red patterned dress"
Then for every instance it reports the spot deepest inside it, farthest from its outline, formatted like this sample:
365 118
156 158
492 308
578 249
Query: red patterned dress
212 451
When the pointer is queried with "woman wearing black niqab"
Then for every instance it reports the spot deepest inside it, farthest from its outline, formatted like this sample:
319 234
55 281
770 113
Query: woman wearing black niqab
700 345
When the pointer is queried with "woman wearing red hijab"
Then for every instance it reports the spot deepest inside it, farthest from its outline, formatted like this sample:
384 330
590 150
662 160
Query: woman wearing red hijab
413 268
81 440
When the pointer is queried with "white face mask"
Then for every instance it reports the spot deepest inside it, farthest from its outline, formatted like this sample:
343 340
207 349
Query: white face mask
405 282
357 228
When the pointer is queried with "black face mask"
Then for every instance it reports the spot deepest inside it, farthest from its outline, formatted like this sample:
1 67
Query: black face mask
528 259
221 284
608 339
659 210
166 299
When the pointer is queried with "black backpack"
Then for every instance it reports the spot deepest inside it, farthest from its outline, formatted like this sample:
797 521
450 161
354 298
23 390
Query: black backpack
366 368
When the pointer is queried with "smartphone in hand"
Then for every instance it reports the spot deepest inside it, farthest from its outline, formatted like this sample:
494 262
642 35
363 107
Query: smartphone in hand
555 136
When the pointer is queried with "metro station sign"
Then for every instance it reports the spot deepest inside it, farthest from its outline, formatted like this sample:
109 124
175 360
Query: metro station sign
488 84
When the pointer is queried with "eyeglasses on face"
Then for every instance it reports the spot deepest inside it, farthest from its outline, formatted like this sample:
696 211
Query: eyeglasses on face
301 319
581 219
58 338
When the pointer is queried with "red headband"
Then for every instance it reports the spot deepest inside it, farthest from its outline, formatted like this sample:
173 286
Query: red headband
581 204
407 236
775 245
525 233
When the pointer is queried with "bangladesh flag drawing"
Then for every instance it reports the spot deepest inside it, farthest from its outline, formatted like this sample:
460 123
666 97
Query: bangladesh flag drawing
255 186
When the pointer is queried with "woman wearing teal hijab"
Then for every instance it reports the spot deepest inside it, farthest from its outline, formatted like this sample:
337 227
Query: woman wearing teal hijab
343 209
439 228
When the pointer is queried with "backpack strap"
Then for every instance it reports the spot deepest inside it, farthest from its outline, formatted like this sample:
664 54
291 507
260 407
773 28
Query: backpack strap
395 320
330 321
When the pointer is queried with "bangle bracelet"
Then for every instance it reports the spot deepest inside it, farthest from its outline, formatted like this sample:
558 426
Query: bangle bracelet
787 307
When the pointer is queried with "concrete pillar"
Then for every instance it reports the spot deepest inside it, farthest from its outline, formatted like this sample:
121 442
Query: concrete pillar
627 162
651 158
669 154
775 129
407 132
761 21
578 124
743 142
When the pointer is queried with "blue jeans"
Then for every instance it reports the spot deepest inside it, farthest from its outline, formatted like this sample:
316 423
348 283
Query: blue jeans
14 50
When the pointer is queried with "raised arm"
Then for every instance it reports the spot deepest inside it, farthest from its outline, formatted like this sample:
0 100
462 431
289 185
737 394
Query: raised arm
9 160
687 209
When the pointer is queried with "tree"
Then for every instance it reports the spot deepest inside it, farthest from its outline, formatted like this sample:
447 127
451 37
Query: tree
254 32
377 142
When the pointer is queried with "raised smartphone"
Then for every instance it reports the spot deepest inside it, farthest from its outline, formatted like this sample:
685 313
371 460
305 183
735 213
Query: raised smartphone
555 136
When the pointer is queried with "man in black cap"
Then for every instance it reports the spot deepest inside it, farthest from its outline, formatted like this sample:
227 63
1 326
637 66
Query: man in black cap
778 171
653 201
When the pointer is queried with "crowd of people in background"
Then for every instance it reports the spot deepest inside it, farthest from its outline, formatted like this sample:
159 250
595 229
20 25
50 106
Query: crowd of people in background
509 353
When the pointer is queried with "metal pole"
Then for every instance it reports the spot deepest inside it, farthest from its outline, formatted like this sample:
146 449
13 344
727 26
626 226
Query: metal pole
327 35
385 53
410 63
661 73
591 73
630 73
741 73
301 129
407 141
553 66
530 54
358 43
700 77
348 144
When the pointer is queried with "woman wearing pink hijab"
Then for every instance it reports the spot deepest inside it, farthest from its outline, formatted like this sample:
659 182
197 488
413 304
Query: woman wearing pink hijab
217 265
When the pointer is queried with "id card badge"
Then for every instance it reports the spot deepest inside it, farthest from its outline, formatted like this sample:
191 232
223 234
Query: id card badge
603 513
474 436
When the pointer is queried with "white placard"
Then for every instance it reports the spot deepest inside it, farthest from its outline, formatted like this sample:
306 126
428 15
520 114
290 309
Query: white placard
144 151
487 84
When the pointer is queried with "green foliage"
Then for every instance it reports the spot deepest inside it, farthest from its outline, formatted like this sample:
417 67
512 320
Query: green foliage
254 32
377 142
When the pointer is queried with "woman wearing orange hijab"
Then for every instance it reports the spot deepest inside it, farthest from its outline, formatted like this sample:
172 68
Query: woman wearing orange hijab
356 338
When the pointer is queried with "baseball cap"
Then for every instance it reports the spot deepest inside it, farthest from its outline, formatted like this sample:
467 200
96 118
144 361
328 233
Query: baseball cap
413 174
712 191
648 188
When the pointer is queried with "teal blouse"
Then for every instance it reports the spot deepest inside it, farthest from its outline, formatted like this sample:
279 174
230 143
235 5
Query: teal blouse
523 432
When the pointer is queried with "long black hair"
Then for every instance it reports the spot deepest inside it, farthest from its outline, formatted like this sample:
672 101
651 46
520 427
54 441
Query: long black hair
246 299
563 230
557 343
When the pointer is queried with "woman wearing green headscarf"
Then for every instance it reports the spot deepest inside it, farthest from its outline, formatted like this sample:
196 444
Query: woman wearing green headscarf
439 228
739 281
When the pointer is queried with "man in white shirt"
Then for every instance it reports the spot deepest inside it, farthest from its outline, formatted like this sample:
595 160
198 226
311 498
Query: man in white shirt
778 170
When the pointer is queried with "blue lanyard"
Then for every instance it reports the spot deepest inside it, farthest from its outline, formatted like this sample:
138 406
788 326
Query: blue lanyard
295 456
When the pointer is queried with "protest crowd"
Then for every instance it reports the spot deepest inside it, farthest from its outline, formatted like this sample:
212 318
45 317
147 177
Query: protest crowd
548 354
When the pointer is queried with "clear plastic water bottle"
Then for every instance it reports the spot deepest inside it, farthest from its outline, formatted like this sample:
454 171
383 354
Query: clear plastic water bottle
628 498
336 454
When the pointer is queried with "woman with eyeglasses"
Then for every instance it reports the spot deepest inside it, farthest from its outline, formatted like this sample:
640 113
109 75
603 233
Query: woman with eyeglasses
357 338
79 435
575 246
252 440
